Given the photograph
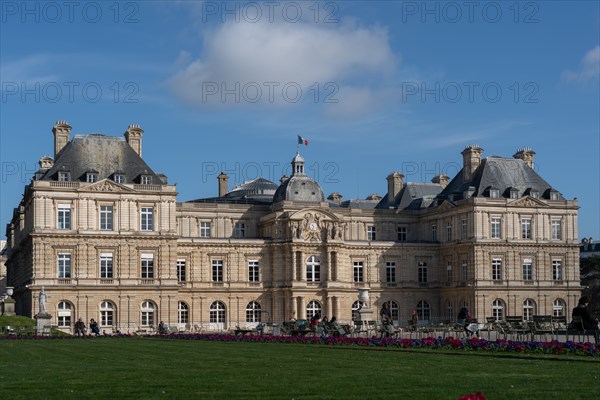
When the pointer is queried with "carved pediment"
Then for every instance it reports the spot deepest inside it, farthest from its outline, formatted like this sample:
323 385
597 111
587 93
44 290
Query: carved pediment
528 202
106 185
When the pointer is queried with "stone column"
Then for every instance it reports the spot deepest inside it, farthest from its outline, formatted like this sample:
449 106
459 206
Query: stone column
301 311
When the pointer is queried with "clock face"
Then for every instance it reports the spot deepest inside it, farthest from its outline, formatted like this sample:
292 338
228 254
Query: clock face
313 226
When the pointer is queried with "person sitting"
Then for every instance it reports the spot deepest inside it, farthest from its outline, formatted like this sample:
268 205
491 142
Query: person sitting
94 327
314 321
162 328
465 319
80 327
589 322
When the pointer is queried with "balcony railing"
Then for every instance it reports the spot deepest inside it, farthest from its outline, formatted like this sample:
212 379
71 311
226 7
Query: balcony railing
107 281
64 281
147 281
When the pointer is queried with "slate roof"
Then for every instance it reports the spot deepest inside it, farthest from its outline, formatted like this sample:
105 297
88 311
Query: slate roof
106 155
413 196
259 188
502 174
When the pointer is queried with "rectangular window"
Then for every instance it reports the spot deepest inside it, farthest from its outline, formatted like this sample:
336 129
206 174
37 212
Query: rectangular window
402 234
371 233
449 272
146 179
91 178
358 271
181 270
119 178
205 229
106 265
239 230
217 270
64 216
147 266
64 176
463 270
434 233
557 272
253 271
497 269
422 272
556 230
64 265
527 269
106 218
526 228
496 228
147 218
449 232
463 229
390 272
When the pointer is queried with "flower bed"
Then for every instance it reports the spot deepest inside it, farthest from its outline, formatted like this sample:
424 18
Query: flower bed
449 343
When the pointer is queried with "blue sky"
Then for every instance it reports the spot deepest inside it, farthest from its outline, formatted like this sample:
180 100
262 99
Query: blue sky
374 86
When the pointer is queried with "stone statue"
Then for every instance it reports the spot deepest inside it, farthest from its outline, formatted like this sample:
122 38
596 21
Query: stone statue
42 298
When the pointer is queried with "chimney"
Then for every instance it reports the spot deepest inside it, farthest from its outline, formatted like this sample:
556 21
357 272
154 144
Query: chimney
133 135
471 160
62 134
335 197
223 184
441 180
395 185
525 154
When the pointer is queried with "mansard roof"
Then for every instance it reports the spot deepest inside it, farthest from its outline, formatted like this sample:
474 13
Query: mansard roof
105 155
502 174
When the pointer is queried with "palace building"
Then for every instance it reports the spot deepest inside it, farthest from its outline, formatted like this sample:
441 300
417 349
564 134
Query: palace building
107 239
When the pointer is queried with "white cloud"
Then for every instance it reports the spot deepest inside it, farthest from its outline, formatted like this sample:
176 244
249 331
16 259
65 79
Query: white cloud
29 70
356 59
589 68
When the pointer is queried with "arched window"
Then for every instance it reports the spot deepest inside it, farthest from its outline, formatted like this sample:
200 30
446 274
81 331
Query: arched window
394 310
528 309
313 307
148 309
107 313
423 311
183 313
65 311
253 312
558 308
217 312
313 269
498 310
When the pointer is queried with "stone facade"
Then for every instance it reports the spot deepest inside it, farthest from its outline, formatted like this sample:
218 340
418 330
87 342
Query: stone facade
109 241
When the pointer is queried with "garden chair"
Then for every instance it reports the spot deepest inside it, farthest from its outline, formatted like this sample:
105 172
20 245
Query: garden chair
542 325
578 329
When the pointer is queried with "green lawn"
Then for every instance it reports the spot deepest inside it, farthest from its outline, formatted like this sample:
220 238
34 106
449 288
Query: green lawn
152 368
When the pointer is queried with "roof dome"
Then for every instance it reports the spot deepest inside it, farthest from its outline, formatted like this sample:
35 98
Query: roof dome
255 189
299 187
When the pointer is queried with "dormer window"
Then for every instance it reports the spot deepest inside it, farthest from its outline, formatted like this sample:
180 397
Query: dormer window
553 195
535 194
64 176
146 180
514 193
494 193
119 178
469 192
91 177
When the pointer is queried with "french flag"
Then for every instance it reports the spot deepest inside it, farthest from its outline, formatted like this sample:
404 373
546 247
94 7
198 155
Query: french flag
303 141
